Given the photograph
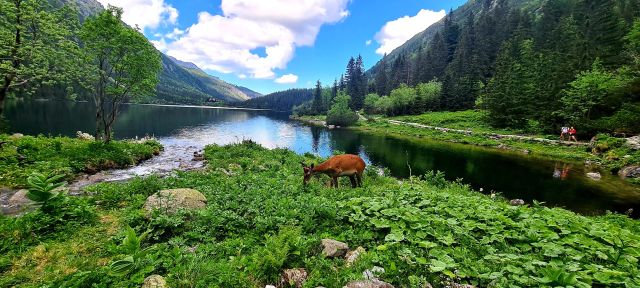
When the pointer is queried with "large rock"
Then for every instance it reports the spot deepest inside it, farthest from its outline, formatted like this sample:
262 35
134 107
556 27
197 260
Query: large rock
594 176
630 172
154 281
516 202
13 203
634 142
368 284
172 200
332 248
295 277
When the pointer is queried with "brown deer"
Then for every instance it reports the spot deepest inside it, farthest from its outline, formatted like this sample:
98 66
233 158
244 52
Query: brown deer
338 166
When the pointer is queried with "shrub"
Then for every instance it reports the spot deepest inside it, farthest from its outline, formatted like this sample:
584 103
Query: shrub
340 114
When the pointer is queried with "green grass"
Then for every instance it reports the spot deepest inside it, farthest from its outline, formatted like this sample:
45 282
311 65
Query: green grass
19 157
259 220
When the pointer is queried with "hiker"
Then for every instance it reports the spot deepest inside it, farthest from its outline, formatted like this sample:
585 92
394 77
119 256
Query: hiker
564 132
572 134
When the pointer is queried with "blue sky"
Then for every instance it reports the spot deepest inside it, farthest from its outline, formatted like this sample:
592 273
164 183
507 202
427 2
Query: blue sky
267 44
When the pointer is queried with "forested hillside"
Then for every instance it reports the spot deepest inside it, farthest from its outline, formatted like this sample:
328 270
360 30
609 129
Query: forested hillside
280 101
536 64
180 82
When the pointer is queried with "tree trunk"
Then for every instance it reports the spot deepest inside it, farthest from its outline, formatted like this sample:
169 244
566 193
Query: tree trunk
4 90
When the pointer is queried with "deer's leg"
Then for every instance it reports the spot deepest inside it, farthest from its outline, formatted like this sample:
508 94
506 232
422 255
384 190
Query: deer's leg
335 182
359 179
354 184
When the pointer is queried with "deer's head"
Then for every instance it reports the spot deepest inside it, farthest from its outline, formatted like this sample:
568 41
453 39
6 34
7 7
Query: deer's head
308 172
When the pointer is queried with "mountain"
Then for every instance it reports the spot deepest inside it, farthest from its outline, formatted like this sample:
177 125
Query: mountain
458 16
180 82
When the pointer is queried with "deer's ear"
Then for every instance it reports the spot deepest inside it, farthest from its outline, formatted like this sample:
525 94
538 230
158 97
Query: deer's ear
312 165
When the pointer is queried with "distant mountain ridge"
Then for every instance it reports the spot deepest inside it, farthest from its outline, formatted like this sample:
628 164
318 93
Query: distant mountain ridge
180 82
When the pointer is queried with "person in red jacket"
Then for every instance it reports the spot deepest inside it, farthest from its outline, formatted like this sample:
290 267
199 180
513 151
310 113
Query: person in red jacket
572 134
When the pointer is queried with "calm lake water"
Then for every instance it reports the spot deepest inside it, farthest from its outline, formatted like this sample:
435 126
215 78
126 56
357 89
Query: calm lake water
513 175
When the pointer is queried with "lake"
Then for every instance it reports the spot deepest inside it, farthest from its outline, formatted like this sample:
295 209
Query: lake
183 130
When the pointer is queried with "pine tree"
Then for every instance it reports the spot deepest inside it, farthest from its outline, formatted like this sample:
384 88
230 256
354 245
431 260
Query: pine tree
381 77
317 98
334 91
451 35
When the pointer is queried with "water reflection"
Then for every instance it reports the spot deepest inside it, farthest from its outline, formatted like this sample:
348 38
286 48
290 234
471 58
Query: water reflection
515 176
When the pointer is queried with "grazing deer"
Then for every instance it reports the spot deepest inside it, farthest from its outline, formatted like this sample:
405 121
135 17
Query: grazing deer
338 166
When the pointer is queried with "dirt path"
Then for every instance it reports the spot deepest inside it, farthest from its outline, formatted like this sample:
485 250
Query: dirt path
490 135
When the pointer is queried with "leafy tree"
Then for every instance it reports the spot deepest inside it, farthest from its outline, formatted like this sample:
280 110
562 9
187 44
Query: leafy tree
38 46
340 114
370 104
596 88
427 97
126 62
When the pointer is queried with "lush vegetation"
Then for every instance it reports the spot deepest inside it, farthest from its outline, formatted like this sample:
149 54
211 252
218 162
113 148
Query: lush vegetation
20 157
340 114
259 220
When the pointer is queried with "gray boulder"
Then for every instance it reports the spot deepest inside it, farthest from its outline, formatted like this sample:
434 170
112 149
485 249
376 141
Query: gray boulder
634 142
154 281
516 202
368 284
293 277
171 200
332 248
630 172
594 176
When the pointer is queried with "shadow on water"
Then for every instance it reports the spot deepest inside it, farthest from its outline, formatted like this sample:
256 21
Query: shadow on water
513 175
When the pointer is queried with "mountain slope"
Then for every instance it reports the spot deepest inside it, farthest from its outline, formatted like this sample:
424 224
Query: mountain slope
280 101
180 82
458 16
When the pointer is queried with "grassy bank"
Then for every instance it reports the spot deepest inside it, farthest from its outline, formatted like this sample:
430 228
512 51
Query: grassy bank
21 156
259 220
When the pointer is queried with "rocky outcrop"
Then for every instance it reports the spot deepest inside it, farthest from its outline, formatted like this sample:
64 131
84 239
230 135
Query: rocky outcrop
332 248
630 172
172 200
293 277
368 284
154 281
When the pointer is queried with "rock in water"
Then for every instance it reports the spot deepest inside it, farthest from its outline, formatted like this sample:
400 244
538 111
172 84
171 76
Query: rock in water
295 277
368 284
332 248
154 281
172 200
594 176
516 202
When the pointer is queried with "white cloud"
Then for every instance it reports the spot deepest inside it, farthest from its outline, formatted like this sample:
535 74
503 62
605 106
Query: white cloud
395 33
160 44
368 42
145 13
224 43
287 79
175 34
